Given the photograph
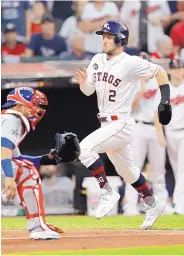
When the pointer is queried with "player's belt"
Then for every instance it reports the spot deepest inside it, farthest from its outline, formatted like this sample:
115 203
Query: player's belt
103 119
142 122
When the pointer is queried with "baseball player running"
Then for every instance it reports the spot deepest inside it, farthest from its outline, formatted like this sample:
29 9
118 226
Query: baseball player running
114 76
145 143
24 106
175 133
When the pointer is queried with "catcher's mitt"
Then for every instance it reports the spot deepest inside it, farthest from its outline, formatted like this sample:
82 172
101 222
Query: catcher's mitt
67 148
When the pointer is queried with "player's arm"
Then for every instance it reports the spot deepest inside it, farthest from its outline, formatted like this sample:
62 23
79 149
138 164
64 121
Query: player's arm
6 164
145 70
47 159
86 86
164 108
159 130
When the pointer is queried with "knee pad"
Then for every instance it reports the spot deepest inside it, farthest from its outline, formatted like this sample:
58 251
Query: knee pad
30 191
88 155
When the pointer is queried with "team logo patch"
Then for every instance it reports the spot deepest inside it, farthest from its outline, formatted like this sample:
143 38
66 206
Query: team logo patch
95 66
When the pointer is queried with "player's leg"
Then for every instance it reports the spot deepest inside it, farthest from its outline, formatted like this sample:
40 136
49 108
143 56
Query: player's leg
123 162
31 197
172 150
139 150
178 195
105 138
156 157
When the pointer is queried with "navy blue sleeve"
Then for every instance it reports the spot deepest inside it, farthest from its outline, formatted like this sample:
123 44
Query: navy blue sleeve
6 143
33 43
34 159
63 44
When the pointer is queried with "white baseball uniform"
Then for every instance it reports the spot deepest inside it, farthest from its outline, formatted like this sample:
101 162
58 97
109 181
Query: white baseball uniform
116 84
175 144
15 127
144 144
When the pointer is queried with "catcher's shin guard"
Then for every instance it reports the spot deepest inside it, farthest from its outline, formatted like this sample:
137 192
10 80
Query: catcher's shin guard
31 197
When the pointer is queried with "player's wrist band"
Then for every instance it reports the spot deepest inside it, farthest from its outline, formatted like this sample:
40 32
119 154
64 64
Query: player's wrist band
7 167
165 91
45 160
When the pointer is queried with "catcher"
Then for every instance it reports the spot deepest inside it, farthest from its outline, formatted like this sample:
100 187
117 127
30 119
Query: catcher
24 107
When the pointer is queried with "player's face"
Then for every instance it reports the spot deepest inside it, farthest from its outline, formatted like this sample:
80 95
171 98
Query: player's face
108 43
24 110
48 29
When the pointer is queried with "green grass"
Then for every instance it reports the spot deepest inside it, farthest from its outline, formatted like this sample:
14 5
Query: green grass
150 250
85 222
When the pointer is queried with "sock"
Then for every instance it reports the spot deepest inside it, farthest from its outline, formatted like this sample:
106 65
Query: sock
142 188
98 171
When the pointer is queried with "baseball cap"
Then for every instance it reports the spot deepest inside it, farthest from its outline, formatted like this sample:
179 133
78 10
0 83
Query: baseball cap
47 17
10 27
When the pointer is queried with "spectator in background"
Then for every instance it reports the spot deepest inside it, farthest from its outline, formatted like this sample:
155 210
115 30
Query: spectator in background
38 9
131 13
70 30
18 13
177 36
93 17
57 191
47 43
170 20
61 10
164 48
11 45
70 25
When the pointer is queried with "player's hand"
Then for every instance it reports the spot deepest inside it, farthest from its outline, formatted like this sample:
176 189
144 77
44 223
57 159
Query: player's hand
81 76
10 188
164 111
162 140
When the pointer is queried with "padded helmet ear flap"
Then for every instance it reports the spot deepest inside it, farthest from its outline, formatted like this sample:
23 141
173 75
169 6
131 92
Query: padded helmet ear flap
124 42
117 40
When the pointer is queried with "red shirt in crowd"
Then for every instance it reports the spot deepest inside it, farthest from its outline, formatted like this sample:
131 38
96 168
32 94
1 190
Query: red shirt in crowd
17 50
157 56
35 28
177 34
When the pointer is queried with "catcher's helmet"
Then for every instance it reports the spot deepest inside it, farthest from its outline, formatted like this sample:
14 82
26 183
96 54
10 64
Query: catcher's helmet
115 28
33 99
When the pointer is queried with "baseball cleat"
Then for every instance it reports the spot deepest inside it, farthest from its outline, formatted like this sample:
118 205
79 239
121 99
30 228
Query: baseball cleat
53 228
152 213
106 203
45 235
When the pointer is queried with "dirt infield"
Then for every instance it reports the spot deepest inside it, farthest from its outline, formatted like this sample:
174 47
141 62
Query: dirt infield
18 241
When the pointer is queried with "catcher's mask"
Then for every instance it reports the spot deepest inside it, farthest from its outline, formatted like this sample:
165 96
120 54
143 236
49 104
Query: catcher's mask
33 99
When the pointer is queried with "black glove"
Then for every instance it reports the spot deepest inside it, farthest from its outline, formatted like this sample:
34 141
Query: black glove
67 148
164 111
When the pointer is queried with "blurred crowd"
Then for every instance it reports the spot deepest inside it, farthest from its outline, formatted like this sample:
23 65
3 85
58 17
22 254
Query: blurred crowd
67 28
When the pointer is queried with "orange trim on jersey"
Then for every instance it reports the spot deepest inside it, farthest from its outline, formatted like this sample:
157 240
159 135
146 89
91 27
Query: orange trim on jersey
155 73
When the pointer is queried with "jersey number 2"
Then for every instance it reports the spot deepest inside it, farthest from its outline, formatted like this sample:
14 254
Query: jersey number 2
112 95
